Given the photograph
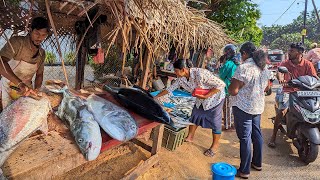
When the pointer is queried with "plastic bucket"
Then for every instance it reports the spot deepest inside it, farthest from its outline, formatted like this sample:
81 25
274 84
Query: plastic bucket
223 171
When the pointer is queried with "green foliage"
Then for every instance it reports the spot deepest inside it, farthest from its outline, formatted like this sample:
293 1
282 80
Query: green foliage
70 58
50 58
273 33
239 18
285 40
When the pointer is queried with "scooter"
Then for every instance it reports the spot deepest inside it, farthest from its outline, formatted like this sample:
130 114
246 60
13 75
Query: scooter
302 121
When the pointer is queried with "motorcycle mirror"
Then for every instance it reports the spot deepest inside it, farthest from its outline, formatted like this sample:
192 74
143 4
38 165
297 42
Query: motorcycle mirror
283 69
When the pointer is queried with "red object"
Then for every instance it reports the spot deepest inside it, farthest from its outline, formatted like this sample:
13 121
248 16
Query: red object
99 58
143 123
199 91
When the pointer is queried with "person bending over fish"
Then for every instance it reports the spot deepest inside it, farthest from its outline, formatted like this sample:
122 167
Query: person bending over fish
21 58
207 111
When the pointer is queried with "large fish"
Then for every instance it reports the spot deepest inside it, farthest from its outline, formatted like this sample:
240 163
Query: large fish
18 121
75 112
115 121
141 102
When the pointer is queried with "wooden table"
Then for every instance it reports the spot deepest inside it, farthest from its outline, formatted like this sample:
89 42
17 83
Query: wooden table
46 157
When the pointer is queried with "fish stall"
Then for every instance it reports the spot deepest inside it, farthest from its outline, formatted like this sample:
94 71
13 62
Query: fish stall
77 126
84 134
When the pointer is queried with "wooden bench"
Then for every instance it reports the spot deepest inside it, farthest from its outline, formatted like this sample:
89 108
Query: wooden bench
46 157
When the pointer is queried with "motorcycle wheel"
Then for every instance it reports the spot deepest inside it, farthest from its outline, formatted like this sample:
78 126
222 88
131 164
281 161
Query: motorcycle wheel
308 152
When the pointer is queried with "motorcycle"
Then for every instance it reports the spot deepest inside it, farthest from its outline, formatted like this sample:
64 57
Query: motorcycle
302 121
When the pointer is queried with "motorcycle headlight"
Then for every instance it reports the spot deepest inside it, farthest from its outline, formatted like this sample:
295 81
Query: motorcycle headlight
311 117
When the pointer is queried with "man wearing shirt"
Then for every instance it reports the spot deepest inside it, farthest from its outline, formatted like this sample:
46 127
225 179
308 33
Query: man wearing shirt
22 58
314 55
297 66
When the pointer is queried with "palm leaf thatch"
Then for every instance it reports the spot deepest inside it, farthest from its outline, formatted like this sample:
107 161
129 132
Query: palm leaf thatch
155 24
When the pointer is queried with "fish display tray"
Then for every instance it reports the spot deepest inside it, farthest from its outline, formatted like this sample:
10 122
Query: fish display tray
172 139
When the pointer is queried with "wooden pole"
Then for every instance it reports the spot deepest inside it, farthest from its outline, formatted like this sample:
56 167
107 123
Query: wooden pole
80 66
146 68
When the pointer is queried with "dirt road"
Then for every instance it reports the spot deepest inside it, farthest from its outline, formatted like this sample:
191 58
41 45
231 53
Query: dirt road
188 162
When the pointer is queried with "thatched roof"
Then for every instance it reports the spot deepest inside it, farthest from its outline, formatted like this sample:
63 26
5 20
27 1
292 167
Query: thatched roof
157 22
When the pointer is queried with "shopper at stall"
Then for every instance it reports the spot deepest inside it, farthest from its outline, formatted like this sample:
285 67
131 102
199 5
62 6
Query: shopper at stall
207 111
22 58
247 100
225 73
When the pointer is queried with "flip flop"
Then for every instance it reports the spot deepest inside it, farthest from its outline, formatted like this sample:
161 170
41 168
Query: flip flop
185 140
209 153
272 145
241 175
256 167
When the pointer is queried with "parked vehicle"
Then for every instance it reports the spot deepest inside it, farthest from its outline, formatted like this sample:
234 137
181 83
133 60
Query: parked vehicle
302 121
275 57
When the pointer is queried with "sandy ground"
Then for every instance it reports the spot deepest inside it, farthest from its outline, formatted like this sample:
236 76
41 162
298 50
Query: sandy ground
188 161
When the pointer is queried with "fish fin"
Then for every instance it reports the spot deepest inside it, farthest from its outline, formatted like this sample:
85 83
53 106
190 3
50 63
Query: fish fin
143 90
110 89
44 127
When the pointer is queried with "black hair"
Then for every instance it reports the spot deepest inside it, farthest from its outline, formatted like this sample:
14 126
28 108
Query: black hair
182 63
259 58
299 46
40 23
248 48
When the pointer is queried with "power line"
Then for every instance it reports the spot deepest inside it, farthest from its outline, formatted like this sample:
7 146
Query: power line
285 11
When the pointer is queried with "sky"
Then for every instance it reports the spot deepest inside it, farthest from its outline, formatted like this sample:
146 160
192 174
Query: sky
271 10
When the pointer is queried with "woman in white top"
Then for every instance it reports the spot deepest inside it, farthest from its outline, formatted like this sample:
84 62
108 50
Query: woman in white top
247 90
207 111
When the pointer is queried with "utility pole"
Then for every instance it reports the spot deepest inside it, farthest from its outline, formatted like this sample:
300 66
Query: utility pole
316 10
304 30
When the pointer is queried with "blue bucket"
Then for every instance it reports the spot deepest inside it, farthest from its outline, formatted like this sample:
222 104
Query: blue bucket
223 171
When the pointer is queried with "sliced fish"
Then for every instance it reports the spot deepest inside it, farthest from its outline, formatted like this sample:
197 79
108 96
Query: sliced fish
18 121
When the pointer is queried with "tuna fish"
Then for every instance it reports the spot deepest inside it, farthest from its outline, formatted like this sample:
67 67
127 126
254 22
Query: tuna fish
18 121
115 121
140 102
80 120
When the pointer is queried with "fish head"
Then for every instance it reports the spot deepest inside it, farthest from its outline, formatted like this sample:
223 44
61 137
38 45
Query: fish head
87 135
123 126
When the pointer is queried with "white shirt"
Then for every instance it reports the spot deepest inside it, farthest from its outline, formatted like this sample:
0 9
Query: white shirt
201 78
250 97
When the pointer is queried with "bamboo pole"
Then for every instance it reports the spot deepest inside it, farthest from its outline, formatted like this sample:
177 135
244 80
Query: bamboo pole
57 40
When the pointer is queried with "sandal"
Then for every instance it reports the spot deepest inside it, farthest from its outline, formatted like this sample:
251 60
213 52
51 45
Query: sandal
272 145
241 175
257 168
209 153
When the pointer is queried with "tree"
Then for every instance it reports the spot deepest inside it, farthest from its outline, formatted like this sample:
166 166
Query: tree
285 40
272 33
238 17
